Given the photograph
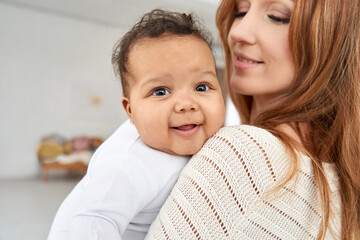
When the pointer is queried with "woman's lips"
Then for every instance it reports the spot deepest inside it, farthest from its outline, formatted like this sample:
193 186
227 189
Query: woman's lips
186 130
242 63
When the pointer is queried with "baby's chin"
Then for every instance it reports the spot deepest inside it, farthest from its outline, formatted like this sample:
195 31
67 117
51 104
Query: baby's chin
178 149
183 152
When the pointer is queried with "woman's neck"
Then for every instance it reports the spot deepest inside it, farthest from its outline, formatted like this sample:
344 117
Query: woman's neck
259 106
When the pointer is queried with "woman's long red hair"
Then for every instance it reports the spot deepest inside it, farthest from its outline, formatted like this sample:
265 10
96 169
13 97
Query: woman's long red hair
324 36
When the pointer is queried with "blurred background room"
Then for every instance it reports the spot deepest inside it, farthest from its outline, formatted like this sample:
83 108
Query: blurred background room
59 97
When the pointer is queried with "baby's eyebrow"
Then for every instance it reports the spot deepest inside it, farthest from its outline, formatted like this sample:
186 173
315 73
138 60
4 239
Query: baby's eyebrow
203 69
206 72
210 72
156 80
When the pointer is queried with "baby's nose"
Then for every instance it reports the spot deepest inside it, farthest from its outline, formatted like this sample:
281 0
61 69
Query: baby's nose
186 103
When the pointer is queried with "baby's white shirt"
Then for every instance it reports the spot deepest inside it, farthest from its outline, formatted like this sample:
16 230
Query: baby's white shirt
122 192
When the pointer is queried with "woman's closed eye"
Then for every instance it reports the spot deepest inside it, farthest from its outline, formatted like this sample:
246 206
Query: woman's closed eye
274 18
239 14
160 92
279 19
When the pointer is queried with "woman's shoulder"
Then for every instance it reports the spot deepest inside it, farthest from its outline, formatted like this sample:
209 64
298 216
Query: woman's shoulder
246 138
247 130
243 150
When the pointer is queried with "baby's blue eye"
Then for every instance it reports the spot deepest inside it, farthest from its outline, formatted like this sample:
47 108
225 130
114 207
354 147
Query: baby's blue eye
160 92
202 88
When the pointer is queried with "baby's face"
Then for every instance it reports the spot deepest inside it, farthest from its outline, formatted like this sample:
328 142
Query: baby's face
175 98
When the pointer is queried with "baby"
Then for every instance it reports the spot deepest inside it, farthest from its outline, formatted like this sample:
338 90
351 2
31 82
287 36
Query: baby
173 99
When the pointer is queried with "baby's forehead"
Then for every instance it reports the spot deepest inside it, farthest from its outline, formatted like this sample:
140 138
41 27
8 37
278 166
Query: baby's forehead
147 41
164 44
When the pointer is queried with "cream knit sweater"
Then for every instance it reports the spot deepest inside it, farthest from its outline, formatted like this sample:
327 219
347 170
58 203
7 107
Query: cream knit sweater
220 194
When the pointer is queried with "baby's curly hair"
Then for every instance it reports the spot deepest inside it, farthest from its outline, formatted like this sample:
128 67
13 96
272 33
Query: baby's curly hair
153 25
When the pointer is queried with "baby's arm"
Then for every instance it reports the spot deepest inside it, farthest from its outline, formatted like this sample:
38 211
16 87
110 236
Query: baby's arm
113 195
95 228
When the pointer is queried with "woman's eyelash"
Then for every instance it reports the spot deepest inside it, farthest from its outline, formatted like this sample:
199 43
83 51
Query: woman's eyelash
272 17
278 19
239 14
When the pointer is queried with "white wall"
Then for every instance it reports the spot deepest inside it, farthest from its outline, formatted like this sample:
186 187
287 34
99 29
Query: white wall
45 60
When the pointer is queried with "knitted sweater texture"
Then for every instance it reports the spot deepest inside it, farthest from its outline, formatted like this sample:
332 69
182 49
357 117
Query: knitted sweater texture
224 193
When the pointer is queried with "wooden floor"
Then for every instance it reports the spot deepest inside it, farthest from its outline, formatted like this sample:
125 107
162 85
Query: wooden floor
28 206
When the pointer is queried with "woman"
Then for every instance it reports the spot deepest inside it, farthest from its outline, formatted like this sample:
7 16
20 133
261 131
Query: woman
293 171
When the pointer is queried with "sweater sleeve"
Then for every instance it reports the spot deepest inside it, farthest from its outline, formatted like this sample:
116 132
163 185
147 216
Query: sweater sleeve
223 193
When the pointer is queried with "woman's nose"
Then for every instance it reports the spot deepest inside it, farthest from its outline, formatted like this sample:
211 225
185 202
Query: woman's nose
243 30
186 103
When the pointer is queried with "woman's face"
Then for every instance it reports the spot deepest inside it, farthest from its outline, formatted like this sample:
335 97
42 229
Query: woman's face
263 66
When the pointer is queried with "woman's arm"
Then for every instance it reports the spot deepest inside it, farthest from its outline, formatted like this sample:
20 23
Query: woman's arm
220 194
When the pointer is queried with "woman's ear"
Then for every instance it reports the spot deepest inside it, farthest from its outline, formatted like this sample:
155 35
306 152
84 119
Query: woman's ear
126 105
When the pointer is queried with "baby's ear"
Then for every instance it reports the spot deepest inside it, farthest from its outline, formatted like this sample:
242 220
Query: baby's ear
126 105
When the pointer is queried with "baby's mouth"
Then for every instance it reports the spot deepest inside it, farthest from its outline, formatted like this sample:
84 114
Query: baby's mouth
186 127
187 130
